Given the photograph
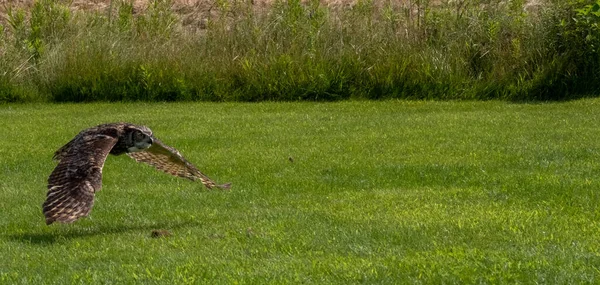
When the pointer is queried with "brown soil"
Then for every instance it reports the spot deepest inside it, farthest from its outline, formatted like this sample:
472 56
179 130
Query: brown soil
182 6
191 11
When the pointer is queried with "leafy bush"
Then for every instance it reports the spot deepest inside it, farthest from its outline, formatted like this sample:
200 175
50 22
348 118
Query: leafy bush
578 43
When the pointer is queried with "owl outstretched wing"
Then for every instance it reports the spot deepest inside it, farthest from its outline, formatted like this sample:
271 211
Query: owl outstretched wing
76 178
169 160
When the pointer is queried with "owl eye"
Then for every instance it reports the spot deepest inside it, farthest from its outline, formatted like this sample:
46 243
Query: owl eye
139 136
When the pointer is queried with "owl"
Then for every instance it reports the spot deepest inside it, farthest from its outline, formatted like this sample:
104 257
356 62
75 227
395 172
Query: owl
78 175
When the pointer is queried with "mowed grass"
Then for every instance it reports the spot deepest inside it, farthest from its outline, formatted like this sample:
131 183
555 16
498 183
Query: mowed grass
351 192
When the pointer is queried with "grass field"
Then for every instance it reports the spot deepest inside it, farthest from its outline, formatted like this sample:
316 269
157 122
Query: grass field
375 192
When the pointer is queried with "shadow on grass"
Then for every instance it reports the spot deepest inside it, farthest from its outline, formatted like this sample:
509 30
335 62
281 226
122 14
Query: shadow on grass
69 232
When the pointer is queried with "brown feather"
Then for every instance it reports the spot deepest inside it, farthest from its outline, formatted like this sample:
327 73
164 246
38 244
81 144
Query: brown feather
78 175
76 178
169 160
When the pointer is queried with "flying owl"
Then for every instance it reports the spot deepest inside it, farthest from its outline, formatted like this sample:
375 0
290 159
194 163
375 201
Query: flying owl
78 175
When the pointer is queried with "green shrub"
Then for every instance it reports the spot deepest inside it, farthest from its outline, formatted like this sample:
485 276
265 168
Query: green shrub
579 45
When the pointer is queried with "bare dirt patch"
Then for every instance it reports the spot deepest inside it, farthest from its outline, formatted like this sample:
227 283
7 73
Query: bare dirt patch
196 11
190 11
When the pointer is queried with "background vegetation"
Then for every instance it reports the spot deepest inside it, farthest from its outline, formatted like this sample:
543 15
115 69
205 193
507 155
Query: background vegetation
487 49
393 192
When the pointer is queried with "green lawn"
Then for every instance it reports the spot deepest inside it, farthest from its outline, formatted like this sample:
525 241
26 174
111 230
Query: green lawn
375 192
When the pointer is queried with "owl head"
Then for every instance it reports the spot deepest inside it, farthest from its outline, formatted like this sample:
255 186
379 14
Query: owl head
138 139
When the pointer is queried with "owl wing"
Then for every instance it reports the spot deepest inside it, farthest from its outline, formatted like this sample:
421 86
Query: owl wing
169 160
76 178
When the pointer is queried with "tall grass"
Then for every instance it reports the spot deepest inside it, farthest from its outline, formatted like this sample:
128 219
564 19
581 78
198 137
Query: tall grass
296 50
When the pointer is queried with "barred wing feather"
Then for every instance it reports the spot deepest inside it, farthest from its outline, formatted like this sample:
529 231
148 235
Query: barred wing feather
169 160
